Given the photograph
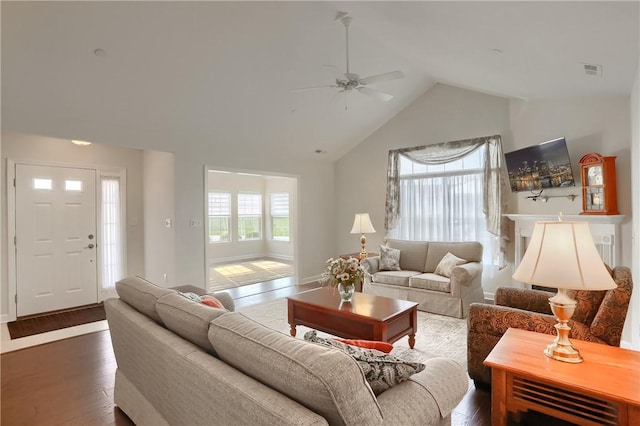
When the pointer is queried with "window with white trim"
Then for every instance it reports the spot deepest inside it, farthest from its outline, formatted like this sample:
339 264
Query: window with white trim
280 216
249 217
219 209
443 202
111 247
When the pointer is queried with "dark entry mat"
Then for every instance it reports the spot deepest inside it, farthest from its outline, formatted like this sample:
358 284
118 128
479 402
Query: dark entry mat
36 324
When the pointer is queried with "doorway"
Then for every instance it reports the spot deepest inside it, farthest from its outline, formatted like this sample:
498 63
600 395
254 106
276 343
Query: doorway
250 228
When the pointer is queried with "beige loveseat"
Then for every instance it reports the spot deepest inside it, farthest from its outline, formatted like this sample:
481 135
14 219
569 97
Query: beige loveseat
417 282
183 363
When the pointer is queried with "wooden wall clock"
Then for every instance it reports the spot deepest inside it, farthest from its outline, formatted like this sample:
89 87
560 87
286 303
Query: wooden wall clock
598 176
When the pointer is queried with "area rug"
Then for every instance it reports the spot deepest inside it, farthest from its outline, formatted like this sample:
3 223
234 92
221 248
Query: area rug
437 336
231 275
56 321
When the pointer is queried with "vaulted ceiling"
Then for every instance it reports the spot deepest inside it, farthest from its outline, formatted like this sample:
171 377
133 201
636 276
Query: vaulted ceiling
221 73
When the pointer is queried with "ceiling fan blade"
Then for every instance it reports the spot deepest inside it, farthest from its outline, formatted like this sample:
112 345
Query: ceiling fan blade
375 94
302 89
393 75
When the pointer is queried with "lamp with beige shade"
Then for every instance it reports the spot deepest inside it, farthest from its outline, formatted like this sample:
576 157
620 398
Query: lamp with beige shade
362 225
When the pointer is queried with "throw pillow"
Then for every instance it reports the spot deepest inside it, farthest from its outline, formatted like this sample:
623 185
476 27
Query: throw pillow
446 265
209 300
389 259
382 371
368 344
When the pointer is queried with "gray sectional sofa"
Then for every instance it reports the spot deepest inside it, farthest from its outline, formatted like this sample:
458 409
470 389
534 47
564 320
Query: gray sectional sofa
417 282
183 363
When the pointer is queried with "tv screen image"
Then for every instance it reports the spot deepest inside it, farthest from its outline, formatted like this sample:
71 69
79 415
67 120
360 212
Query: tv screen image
542 166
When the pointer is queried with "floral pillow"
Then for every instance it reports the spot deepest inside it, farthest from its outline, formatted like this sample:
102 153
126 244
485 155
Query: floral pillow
382 371
389 259
446 265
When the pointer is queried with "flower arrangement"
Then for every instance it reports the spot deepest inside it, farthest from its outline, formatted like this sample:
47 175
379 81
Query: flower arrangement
347 272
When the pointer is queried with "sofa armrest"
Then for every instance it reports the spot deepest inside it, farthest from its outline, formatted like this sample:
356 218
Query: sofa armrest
226 300
467 274
371 264
427 397
528 300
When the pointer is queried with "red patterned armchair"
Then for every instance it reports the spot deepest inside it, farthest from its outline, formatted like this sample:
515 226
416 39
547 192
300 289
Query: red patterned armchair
599 317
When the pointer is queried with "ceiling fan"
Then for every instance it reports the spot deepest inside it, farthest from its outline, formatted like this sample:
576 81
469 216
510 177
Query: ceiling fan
353 82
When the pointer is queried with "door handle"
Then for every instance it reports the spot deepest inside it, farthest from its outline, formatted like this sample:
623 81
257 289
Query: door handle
90 246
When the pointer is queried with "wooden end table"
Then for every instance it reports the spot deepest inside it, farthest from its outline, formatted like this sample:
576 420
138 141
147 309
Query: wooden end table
366 317
603 389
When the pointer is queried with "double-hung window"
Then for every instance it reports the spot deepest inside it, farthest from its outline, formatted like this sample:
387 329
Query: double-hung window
219 209
249 217
280 216
444 202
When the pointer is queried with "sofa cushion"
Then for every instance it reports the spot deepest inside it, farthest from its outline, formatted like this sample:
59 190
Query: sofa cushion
432 282
383 371
399 278
389 259
413 254
141 295
209 300
327 381
447 263
188 319
471 251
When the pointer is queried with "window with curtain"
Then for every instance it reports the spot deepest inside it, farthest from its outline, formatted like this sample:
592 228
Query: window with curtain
249 217
444 202
280 216
450 191
111 247
219 217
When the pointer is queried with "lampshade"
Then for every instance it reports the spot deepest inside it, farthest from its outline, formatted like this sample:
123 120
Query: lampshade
362 224
563 255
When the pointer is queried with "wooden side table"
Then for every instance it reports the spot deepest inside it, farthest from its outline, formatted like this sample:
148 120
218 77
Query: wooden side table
602 390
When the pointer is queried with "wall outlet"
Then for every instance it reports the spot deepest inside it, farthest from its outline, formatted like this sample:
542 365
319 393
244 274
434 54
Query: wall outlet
167 223
195 223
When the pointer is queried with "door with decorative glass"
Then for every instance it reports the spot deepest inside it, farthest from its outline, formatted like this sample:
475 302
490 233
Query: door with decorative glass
55 238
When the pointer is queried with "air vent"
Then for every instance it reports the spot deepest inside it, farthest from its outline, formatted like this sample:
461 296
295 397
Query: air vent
592 69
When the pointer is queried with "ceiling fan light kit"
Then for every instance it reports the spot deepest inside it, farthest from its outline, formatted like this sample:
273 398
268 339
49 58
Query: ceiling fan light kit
353 82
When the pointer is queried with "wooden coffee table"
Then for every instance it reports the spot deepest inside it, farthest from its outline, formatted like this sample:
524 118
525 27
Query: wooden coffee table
366 317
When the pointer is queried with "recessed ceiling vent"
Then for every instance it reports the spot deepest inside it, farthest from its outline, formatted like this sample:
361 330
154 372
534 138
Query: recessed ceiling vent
592 69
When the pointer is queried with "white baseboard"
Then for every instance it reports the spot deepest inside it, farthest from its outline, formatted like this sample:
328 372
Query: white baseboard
4 318
311 279
489 297
243 258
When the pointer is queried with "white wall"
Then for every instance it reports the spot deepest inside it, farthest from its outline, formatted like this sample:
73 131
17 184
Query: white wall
635 195
25 147
159 207
442 114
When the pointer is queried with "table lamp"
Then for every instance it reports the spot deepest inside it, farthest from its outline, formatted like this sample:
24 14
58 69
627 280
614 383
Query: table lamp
563 255
362 225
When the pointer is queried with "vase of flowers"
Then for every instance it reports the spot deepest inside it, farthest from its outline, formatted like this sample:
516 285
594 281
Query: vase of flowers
345 274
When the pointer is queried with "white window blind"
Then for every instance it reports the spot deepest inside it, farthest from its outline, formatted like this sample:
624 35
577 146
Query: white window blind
280 216
249 217
219 209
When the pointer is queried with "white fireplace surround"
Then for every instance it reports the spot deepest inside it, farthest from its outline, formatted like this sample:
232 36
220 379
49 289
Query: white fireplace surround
604 228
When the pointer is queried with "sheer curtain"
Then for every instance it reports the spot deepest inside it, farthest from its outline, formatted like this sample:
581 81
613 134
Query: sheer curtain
460 206
111 247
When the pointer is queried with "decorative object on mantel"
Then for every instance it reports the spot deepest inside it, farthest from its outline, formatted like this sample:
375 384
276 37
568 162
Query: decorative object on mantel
563 255
599 195
544 198
362 225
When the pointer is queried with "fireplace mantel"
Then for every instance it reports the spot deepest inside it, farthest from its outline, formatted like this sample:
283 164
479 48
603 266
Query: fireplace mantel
604 228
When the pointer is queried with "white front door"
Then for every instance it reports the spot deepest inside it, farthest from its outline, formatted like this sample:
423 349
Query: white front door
55 238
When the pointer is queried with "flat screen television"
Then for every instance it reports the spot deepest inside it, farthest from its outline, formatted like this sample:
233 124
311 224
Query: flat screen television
542 166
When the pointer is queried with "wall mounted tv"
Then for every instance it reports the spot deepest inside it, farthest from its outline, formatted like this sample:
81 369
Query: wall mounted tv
542 166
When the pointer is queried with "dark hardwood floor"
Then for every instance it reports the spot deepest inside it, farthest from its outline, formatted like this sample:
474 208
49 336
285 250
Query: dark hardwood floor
71 381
